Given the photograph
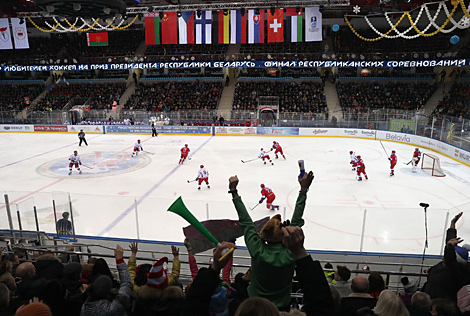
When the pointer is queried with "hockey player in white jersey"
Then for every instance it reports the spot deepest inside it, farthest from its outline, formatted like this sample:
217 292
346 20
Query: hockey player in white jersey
353 160
74 161
203 176
137 147
263 155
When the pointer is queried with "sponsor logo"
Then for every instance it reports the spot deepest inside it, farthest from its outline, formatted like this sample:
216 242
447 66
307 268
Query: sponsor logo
350 131
6 128
52 128
319 131
396 137
20 33
368 133
456 153
464 156
276 130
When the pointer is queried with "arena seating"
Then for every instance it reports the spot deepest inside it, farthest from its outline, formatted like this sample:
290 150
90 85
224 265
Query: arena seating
306 96
173 96
13 96
373 95
456 102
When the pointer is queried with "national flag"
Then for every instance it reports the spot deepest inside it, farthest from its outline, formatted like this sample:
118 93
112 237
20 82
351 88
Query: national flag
294 29
169 28
20 33
313 24
97 39
204 28
237 27
152 29
186 27
255 26
276 26
5 35
221 27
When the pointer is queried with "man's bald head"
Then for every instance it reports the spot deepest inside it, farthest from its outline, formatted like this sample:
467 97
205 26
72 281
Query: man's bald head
360 285
26 270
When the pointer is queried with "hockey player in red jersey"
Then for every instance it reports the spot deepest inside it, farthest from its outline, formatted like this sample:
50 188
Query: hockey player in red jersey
416 158
361 168
393 162
137 147
184 153
203 176
353 162
74 161
277 149
269 195
263 155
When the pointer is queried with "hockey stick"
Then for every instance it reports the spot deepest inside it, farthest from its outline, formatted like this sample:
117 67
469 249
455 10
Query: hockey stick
252 208
383 148
148 152
87 166
408 162
189 181
245 161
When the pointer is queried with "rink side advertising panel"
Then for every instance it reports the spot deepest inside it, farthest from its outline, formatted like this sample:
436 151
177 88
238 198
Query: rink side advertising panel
165 129
17 128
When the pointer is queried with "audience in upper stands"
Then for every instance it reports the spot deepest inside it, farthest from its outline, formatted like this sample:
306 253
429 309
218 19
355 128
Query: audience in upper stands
15 97
361 97
456 102
174 96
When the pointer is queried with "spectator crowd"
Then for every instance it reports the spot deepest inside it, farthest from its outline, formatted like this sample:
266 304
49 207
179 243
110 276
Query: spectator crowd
53 285
15 97
456 102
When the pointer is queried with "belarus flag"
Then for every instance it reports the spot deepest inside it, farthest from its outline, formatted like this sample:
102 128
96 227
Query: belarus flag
276 26
255 27
186 27
237 27
97 39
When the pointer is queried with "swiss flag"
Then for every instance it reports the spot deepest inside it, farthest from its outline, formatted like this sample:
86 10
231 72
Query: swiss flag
275 26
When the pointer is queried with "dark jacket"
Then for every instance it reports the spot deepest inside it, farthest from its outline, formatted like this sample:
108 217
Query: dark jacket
199 294
351 304
163 307
49 267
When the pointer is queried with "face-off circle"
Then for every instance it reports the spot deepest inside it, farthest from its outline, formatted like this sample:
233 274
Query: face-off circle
100 164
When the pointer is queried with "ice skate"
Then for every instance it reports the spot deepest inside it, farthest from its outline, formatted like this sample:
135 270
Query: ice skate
367 178
353 169
359 179
80 172
272 164
284 157
208 186
265 162
70 173
391 174
277 157
199 188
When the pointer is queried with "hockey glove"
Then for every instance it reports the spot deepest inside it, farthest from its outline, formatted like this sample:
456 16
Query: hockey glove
390 159
260 201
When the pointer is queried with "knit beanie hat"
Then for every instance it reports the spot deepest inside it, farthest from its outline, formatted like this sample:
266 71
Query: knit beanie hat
409 285
158 276
101 287
34 309
72 270
462 253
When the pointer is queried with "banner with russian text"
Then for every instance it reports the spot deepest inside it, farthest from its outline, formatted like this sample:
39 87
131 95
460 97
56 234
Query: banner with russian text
5 35
313 24
152 29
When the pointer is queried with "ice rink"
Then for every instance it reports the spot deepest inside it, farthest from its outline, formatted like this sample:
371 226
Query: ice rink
381 214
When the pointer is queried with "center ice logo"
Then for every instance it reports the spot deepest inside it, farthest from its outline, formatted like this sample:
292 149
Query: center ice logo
102 164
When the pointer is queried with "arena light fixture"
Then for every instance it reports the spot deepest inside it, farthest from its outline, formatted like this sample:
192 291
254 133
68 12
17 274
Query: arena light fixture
50 8
107 10
77 6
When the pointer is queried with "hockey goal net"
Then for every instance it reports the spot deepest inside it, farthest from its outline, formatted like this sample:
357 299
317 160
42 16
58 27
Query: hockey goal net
432 165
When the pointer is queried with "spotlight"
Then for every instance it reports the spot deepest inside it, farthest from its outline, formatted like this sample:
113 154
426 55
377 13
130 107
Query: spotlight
198 13
179 14
77 6
298 10
125 17
225 12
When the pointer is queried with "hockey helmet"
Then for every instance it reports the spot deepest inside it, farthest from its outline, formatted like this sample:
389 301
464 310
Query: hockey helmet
202 166
358 156
261 149
138 140
185 145
393 151
262 186
75 152
351 152
274 141
416 149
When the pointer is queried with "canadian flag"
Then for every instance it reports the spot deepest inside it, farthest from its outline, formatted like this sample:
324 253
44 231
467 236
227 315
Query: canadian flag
275 26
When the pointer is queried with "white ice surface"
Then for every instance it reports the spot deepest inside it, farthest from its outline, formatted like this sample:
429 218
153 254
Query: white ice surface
336 204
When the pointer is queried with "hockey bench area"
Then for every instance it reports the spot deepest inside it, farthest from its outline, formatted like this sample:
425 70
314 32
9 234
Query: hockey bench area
124 198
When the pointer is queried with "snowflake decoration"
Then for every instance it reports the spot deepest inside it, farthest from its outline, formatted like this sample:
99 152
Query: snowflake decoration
357 9
465 22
